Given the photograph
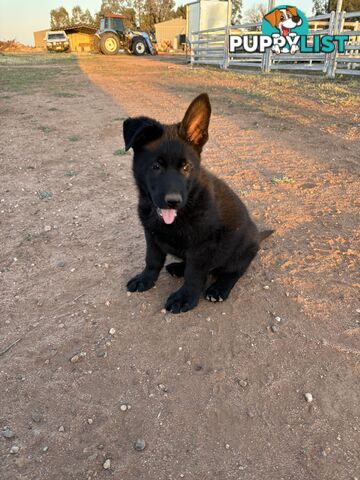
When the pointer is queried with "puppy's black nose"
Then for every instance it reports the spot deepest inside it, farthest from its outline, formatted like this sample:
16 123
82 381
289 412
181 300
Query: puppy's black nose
173 200
296 18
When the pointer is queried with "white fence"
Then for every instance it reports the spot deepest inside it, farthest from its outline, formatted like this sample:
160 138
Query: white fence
211 47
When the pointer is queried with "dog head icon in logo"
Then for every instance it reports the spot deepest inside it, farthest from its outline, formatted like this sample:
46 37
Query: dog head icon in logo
285 21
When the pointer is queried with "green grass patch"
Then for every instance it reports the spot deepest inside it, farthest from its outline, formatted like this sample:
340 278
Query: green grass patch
45 129
71 173
74 138
68 94
283 180
45 195
26 79
120 151
53 109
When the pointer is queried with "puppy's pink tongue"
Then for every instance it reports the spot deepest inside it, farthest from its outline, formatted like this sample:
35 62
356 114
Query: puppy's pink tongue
168 215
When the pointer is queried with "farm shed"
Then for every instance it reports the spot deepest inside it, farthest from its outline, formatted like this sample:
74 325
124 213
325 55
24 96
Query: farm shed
170 31
81 38
206 14
39 38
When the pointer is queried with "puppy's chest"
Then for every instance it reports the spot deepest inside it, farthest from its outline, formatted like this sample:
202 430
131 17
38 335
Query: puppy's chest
173 240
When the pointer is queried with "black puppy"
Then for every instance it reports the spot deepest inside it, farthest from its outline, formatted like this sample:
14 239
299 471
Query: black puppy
186 211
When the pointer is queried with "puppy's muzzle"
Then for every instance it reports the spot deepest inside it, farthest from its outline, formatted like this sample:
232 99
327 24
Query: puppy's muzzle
173 200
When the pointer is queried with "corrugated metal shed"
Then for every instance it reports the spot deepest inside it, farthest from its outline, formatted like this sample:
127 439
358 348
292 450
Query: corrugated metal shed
170 30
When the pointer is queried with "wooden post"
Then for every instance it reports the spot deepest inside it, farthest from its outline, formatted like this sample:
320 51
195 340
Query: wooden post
266 58
225 63
337 26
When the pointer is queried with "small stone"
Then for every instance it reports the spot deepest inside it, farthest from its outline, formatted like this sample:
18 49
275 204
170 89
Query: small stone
45 449
36 417
128 294
163 310
14 449
90 421
7 432
266 287
227 446
278 319
75 358
162 387
308 397
107 464
101 354
47 228
61 428
61 264
107 303
140 444
243 383
123 407
112 331
274 328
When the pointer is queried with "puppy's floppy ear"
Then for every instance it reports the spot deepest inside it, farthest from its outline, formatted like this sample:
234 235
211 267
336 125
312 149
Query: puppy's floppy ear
195 124
139 131
292 10
273 18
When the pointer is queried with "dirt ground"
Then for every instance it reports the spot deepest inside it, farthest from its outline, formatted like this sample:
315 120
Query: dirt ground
216 393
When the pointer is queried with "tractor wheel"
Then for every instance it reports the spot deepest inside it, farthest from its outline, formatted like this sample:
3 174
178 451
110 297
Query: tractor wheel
139 47
109 44
96 44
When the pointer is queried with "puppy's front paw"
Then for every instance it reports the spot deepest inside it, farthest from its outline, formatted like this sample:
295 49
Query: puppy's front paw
140 283
181 301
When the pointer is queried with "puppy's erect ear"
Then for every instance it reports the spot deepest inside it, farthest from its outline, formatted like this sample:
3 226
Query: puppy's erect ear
195 124
139 131
273 18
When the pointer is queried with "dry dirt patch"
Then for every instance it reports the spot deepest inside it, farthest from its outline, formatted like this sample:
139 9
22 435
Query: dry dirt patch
217 393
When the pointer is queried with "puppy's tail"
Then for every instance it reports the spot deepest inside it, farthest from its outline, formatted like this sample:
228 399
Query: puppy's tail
264 234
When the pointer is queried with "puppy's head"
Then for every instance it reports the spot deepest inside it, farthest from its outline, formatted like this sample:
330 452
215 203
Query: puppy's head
284 19
167 157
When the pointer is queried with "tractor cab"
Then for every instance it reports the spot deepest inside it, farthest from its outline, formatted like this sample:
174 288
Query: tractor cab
113 22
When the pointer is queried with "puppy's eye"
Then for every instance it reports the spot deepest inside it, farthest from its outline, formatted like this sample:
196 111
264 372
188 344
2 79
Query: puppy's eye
156 166
282 17
186 167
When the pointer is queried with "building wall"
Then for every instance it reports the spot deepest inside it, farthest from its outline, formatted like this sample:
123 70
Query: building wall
170 30
39 37
81 42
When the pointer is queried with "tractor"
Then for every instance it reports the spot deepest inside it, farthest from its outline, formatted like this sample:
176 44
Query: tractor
113 35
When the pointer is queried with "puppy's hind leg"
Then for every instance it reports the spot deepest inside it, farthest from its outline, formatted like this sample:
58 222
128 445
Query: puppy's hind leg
221 288
176 269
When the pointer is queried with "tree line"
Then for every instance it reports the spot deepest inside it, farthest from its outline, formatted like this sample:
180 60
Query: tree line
145 13
139 13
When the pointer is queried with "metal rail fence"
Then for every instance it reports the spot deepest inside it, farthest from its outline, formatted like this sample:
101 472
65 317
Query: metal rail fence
211 47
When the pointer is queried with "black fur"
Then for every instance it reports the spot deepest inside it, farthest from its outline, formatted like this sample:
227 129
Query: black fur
212 232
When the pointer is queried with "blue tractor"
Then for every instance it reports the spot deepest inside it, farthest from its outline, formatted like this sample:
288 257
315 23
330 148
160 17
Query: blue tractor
113 36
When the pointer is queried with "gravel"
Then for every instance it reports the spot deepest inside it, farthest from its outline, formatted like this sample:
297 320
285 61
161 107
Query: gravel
140 444
308 397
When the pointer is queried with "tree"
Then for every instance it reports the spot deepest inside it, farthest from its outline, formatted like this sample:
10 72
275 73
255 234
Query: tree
59 18
87 19
76 14
256 13
180 12
156 11
319 6
347 5
236 7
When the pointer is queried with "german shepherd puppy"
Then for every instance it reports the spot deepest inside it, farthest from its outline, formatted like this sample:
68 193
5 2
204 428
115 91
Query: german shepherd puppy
186 211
